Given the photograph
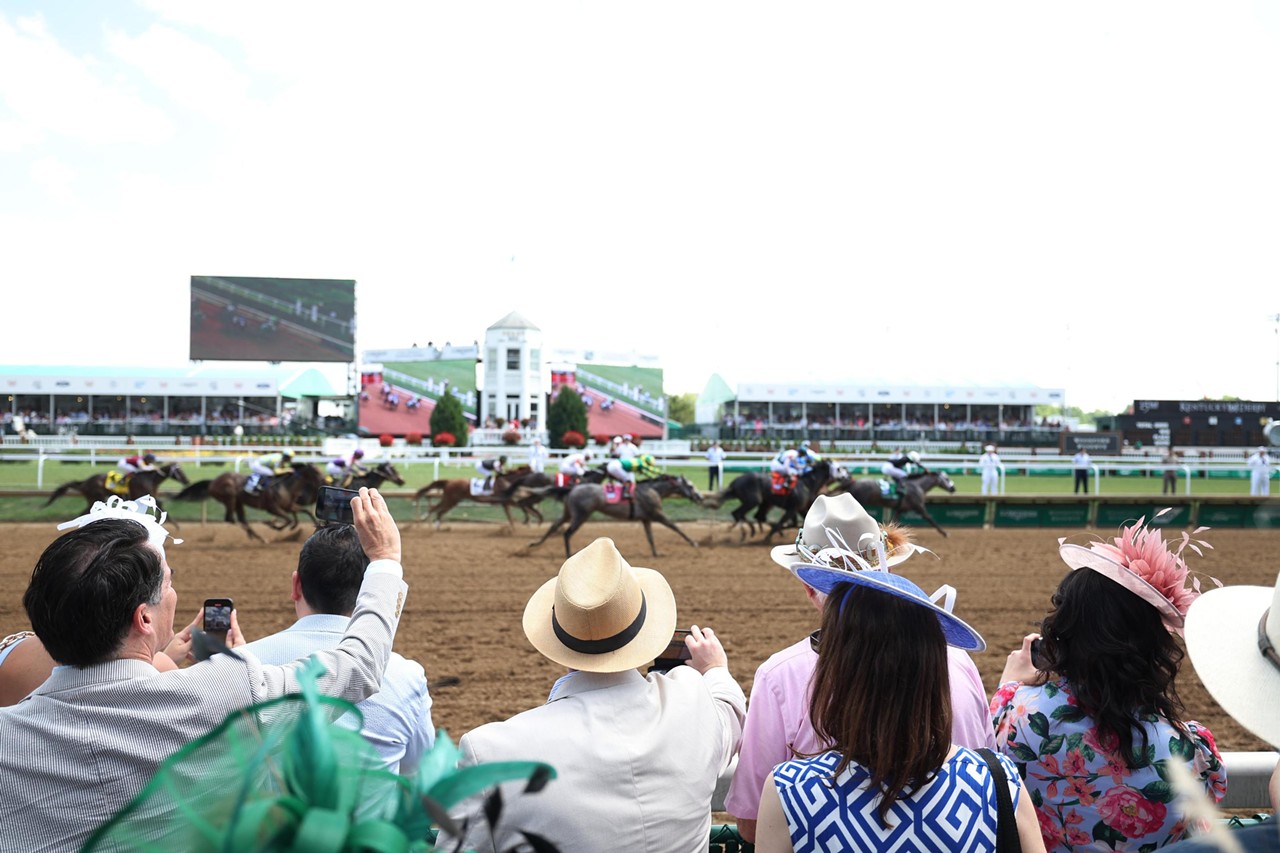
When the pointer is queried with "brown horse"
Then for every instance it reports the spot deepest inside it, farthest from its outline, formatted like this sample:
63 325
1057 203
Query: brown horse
283 497
443 495
141 483
645 507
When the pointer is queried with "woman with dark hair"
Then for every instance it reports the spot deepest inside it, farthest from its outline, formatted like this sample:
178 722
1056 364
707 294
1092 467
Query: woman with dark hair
892 779
1094 721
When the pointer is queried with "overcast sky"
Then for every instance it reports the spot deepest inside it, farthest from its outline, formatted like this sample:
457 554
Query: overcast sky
1083 195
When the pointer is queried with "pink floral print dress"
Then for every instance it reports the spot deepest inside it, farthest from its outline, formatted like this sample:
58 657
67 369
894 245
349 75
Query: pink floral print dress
1085 796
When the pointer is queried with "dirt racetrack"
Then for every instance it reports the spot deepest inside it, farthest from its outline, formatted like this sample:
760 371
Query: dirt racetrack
469 584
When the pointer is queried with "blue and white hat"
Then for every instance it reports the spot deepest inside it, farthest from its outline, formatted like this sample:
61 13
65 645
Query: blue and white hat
956 631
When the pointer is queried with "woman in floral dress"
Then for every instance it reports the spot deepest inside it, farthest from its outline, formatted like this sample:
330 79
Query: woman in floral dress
1096 720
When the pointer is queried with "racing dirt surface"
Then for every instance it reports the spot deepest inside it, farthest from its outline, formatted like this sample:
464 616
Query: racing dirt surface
469 583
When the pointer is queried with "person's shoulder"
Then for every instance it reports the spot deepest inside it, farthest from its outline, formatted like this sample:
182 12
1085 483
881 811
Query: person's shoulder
799 655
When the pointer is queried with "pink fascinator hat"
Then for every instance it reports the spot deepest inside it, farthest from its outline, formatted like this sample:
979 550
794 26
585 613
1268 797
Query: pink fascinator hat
1142 561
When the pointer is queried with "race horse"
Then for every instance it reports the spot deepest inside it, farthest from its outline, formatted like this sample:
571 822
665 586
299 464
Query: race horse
283 497
645 506
383 472
443 495
754 490
141 483
910 497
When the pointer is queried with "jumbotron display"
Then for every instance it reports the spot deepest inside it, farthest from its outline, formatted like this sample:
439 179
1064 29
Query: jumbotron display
272 319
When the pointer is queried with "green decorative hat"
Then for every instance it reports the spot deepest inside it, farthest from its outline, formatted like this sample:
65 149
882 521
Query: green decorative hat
280 776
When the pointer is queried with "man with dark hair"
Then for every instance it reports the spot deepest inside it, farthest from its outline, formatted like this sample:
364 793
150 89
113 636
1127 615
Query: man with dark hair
102 601
397 719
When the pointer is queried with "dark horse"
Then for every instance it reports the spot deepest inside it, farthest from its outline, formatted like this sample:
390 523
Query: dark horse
381 473
645 507
283 497
141 483
911 494
754 490
443 495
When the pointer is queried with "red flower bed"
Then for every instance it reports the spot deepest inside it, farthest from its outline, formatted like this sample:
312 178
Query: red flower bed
414 438
444 439
385 440
511 436
573 438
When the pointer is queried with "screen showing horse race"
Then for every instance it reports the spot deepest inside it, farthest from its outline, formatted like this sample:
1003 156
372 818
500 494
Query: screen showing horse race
272 319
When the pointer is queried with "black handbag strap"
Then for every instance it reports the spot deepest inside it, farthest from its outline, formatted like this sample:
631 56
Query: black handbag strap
1006 825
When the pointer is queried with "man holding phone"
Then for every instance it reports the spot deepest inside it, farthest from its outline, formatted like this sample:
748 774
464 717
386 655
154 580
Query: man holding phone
636 756
397 719
102 602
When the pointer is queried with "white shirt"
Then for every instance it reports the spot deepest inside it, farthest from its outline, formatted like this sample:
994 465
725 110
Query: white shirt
538 457
989 462
397 719
1080 460
627 450
1260 461
715 454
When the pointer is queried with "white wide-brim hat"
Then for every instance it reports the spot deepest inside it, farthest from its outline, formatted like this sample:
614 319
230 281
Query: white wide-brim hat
955 630
1225 633
600 614
839 522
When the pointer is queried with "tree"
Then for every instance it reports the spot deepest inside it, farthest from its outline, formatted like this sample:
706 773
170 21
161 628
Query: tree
681 409
566 413
447 417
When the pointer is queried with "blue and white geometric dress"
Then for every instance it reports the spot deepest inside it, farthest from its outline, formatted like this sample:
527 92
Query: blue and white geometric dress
954 811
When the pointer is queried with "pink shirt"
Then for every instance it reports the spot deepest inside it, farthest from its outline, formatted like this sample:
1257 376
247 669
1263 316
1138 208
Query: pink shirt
778 727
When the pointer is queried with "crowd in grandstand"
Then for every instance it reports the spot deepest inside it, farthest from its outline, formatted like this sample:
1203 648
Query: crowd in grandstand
863 735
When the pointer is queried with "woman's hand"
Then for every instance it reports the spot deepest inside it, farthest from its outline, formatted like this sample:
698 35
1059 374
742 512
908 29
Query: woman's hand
1018 666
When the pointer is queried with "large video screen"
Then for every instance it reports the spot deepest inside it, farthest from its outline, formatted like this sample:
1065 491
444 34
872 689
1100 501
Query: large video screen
398 395
619 398
272 319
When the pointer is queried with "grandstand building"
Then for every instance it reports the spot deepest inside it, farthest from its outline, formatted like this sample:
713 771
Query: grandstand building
884 413
197 400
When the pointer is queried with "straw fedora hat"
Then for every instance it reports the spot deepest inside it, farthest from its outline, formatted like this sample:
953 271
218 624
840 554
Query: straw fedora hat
957 632
600 614
1233 638
840 522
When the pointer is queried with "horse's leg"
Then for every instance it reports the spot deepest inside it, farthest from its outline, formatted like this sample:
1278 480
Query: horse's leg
552 529
919 507
662 519
578 521
239 510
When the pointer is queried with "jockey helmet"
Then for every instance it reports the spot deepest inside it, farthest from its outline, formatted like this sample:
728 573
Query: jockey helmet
359 454
626 437
792 453
805 444
502 460
286 454
148 457
914 456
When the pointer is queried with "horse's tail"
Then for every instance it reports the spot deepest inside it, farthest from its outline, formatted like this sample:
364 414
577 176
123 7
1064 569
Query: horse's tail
713 500
62 490
430 490
195 492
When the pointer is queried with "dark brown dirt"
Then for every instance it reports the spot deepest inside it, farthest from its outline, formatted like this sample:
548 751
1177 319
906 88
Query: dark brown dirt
469 584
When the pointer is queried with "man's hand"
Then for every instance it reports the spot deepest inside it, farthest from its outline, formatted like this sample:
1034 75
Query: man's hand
378 533
179 648
705 650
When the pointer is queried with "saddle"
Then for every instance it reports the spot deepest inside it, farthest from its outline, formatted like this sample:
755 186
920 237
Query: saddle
888 488
118 482
616 493
564 480
779 484
477 488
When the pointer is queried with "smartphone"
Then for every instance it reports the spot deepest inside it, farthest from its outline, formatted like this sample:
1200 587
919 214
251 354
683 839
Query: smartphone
217 617
334 504
1037 655
675 654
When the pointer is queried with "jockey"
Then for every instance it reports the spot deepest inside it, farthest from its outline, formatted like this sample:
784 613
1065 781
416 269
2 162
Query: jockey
489 468
537 456
265 467
901 465
575 464
337 472
806 457
355 467
131 465
787 464
626 470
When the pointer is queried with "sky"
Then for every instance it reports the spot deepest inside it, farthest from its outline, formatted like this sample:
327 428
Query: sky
1082 196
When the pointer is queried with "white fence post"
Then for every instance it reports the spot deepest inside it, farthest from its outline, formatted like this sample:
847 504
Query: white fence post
40 469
